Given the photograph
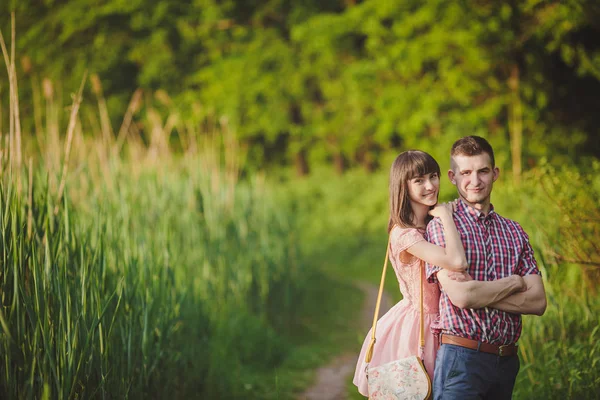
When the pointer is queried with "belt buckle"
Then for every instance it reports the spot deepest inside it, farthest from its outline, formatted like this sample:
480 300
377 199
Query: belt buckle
501 349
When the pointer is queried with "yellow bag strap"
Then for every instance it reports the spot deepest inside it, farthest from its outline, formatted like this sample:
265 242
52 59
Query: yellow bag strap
369 354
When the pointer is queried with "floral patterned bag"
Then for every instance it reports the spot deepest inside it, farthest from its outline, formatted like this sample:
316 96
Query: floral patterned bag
400 379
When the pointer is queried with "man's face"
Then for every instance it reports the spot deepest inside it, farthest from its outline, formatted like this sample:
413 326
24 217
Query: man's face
474 177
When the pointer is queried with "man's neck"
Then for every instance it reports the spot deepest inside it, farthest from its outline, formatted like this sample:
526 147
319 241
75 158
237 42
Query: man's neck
483 207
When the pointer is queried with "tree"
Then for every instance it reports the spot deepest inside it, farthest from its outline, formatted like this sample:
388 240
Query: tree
338 81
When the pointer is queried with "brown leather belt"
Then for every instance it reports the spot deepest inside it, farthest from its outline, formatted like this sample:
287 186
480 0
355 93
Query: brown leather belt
499 350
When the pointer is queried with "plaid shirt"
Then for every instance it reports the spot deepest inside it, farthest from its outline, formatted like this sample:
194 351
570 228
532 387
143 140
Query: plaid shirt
495 247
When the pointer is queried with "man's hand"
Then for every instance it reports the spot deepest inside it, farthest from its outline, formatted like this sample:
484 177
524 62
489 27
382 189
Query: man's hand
531 300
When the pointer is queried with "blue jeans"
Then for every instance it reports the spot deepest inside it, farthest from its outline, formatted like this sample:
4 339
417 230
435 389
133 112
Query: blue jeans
462 373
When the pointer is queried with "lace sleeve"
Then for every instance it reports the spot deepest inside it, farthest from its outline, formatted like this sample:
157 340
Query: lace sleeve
402 239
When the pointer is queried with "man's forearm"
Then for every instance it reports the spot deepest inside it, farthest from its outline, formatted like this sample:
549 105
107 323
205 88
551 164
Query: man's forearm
468 293
531 301
481 294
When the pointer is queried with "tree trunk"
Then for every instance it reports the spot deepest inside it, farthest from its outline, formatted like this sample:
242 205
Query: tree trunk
339 161
301 163
515 124
367 159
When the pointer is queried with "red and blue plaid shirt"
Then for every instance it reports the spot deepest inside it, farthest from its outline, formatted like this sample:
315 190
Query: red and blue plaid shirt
496 247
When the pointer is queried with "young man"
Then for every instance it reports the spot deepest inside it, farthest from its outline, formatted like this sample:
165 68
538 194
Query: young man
478 353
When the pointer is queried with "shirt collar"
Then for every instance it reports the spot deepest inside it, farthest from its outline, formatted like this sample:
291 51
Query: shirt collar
477 215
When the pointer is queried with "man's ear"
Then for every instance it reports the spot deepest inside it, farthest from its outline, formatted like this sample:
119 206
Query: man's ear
451 177
496 173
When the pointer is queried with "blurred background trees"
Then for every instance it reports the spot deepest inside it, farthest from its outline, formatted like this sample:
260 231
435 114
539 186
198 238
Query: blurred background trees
302 83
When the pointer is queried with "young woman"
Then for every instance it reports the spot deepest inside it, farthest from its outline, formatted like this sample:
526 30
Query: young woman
414 186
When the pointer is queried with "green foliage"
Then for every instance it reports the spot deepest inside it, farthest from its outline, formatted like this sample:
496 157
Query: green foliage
334 81
560 351
558 207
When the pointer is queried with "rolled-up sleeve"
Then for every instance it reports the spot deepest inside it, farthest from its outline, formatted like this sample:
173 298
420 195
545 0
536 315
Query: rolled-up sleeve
435 235
527 264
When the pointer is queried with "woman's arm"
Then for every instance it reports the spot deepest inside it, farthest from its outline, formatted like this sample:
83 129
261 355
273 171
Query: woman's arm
469 293
451 257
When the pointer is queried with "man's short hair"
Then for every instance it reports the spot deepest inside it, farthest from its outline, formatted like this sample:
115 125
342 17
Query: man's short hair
472 146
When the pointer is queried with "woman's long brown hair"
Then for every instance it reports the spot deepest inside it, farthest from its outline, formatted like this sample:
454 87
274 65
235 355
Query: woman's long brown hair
408 165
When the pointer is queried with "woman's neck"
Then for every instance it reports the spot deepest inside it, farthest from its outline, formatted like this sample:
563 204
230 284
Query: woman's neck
420 212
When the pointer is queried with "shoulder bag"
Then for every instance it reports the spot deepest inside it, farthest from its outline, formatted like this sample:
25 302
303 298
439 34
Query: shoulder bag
405 378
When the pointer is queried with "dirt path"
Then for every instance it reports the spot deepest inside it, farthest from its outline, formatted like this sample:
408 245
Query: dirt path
331 378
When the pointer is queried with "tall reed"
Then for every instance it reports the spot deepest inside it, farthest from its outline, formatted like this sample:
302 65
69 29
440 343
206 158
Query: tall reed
129 271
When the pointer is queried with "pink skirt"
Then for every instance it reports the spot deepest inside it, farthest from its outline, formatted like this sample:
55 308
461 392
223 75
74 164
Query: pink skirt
397 337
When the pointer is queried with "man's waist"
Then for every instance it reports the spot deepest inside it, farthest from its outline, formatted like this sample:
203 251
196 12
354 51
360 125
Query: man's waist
490 336
499 350
486 325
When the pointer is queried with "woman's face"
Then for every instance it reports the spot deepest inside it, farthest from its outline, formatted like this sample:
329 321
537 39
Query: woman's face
424 189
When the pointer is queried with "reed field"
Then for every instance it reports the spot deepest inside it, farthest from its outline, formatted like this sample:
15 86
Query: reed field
142 289
136 268
150 261
129 271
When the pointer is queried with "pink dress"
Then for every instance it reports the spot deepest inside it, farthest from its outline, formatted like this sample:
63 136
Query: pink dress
398 330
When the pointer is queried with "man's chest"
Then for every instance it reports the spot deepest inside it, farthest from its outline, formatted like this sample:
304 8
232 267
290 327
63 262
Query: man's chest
492 249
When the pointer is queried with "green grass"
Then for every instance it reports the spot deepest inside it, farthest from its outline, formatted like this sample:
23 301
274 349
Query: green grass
174 281
171 281
139 290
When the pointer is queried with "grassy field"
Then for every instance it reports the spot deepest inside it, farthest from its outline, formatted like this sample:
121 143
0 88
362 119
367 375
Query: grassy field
174 279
